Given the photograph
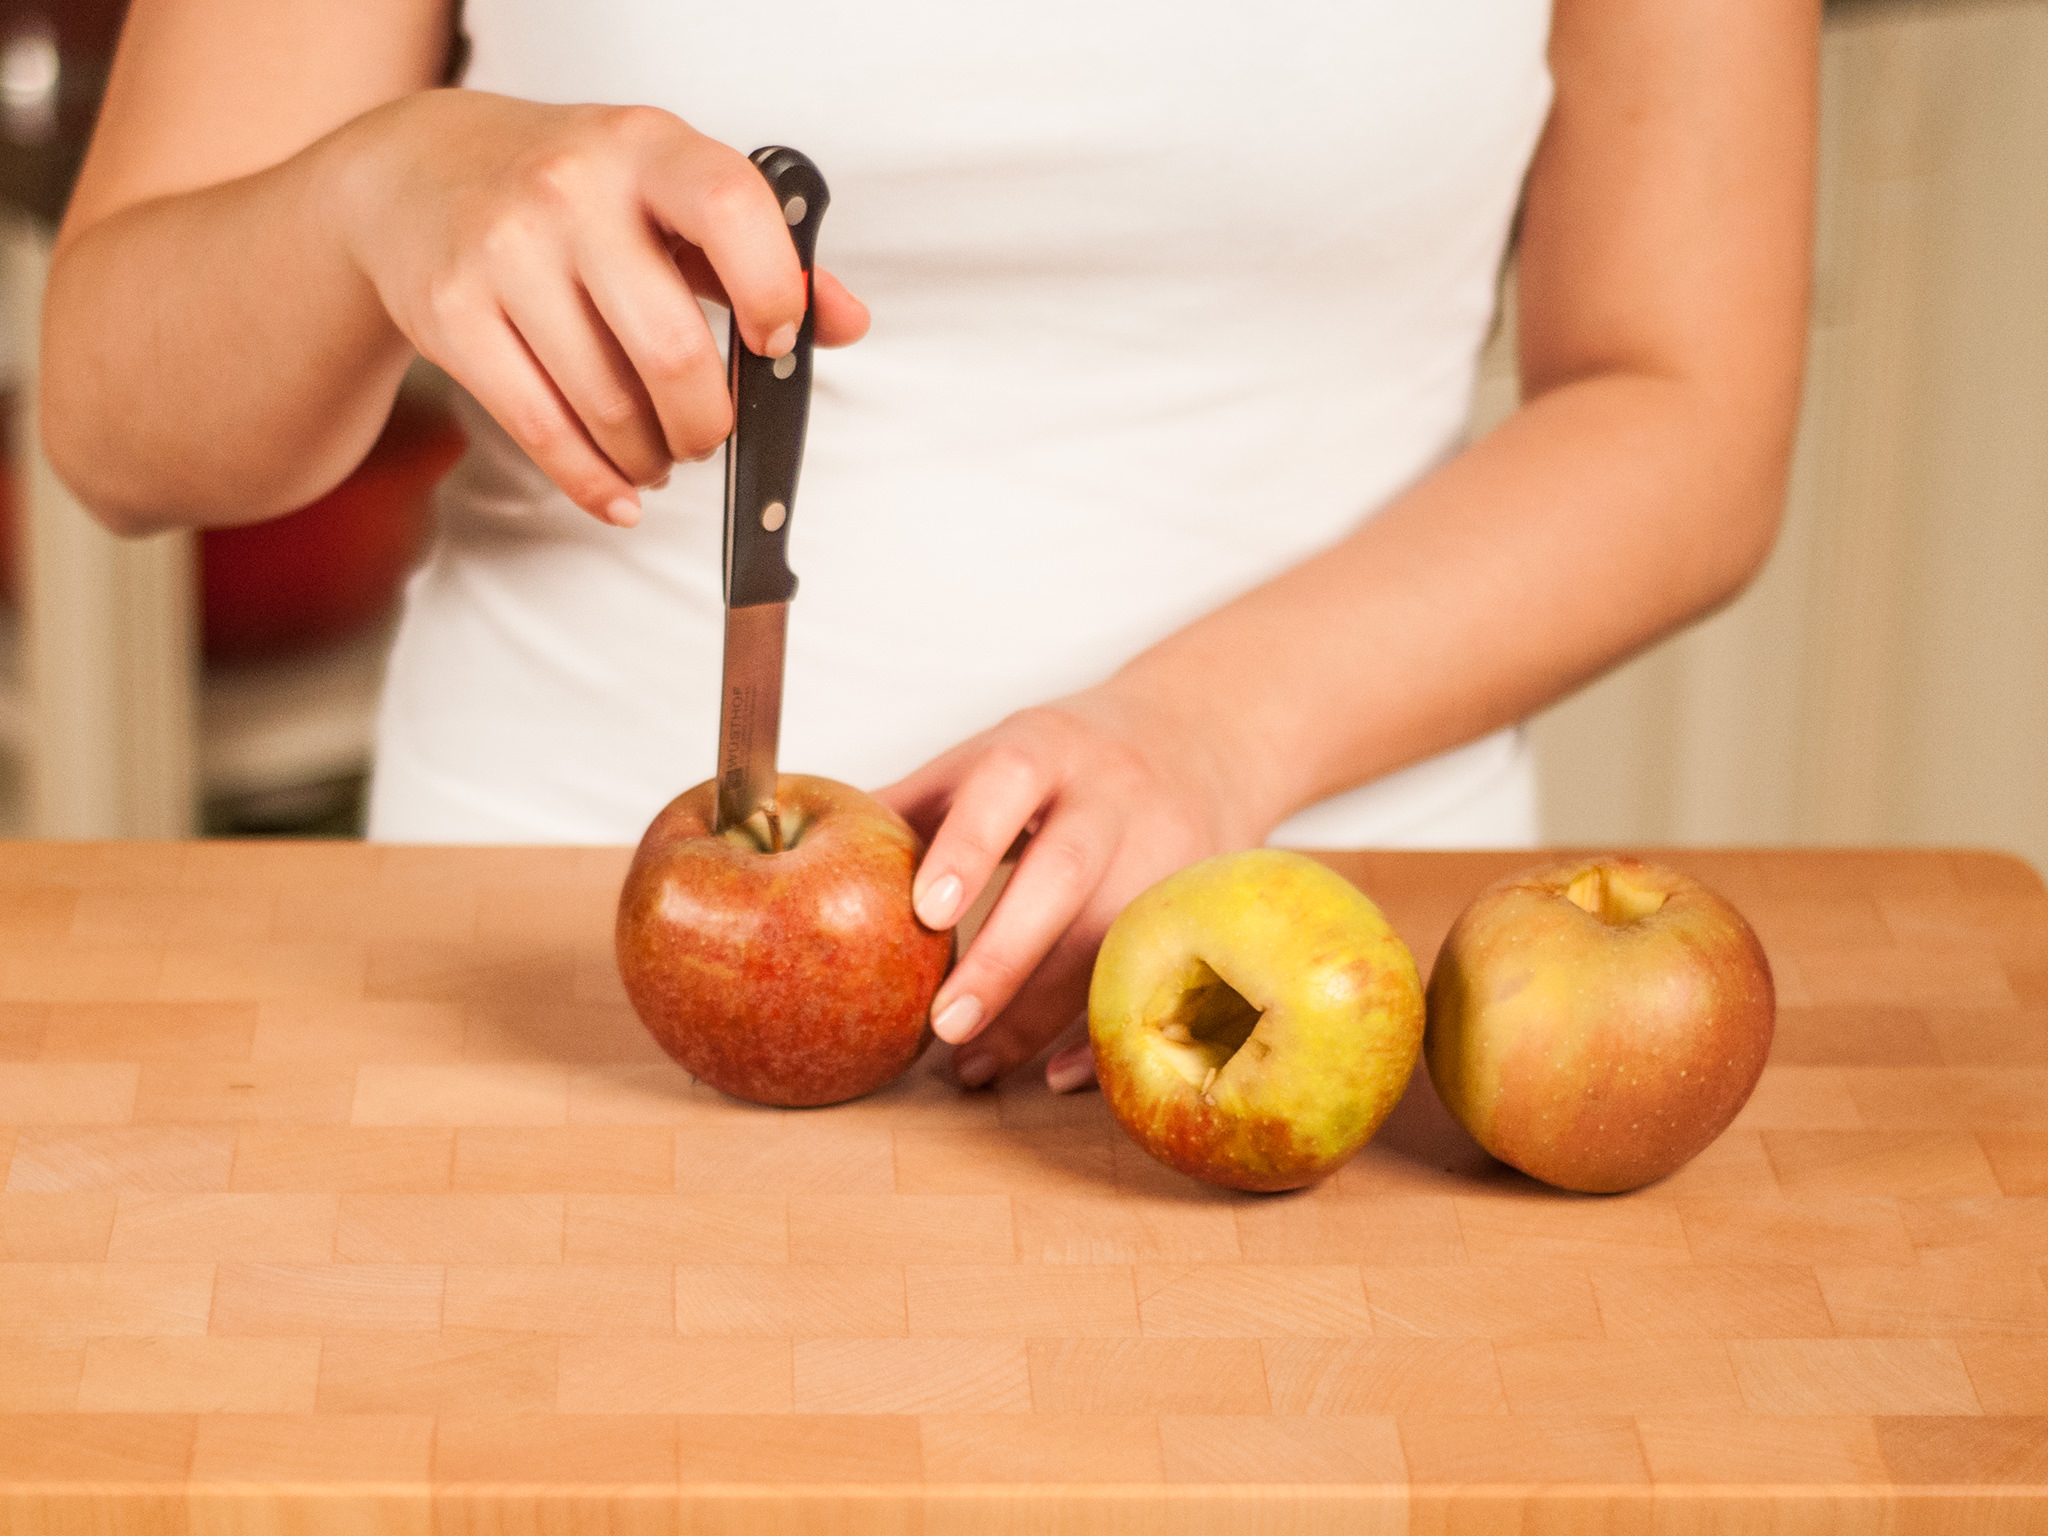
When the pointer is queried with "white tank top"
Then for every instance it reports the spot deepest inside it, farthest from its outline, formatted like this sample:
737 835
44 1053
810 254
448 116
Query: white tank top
1168 295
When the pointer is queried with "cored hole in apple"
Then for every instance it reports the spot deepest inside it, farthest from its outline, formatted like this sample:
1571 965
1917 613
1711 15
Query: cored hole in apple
1204 1025
768 830
1611 896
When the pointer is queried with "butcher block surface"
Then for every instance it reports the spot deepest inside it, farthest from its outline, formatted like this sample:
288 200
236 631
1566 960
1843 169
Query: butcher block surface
340 1190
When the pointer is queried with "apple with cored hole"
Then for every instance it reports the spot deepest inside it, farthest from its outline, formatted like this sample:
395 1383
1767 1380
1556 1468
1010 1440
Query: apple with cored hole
1254 1019
779 960
1597 1023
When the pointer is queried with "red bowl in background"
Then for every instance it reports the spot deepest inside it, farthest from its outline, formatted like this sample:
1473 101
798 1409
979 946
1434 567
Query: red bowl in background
312 577
331 569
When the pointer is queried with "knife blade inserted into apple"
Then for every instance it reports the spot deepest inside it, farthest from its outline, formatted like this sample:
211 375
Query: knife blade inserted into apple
765 930
771 406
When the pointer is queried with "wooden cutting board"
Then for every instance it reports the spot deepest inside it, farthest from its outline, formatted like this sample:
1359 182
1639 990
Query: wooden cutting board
340 1190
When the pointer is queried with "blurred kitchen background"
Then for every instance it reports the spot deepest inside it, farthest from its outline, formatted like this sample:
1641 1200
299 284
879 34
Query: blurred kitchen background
1884 681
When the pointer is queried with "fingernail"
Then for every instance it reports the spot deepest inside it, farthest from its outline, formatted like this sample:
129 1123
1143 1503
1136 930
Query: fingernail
662 483
935 906
974 1071
958 1020
780 341
1070 1069
624 512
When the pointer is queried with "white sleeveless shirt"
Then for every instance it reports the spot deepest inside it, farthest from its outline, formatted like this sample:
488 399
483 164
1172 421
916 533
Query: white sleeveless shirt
1168 295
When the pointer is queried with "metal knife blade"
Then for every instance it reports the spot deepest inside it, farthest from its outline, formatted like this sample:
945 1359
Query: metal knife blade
771 407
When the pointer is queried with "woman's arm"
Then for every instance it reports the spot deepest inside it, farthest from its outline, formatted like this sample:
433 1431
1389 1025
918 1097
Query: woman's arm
205 352
1663 273
276 212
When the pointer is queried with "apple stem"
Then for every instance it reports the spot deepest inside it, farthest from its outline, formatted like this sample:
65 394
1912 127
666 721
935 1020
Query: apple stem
774 827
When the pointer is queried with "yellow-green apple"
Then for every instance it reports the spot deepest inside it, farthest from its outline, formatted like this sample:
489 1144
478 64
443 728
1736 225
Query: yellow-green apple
1597 1023
1254 1019
779 961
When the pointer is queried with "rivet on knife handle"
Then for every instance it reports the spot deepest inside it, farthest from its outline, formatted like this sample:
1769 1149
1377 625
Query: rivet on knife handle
771 406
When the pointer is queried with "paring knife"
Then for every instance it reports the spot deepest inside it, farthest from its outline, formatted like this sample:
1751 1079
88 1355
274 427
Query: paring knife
771 405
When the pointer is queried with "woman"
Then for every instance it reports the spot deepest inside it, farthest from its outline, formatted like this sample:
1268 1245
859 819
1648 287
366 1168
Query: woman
1149 485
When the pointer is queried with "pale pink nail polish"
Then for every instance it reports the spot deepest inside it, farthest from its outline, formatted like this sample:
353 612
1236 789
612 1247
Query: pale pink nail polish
974 1071
958 1020
624 512
1070 1069
935 908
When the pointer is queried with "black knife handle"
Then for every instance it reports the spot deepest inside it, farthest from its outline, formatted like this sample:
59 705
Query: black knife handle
771 401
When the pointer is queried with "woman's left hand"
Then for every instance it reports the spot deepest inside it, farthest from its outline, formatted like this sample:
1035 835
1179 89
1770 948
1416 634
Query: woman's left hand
1101 794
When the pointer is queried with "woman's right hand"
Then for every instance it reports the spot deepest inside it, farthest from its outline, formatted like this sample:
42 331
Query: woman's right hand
550 259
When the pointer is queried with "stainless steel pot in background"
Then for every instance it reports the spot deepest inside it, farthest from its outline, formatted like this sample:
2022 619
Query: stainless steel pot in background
54 56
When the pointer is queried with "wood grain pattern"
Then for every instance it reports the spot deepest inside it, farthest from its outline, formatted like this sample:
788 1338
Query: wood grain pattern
339 1190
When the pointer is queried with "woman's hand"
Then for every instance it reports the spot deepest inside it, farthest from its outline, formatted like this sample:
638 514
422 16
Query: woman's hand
550 259
1106 793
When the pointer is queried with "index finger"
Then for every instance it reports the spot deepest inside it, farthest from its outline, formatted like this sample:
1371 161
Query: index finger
715 198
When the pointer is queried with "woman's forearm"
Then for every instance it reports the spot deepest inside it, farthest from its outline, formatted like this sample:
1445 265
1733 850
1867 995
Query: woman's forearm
1602 515
214 356
1662 271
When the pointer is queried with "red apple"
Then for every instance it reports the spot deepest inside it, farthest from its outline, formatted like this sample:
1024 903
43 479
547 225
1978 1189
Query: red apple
1597 1023
1254 1019
779 961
